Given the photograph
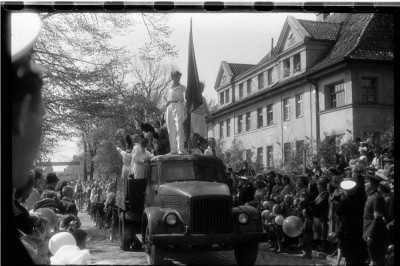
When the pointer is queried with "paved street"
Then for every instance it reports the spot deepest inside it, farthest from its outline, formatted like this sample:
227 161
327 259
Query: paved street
103 251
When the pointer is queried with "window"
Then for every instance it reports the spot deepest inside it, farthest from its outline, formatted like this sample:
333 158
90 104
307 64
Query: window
228 127
368 90
270 156
299 105
241 91
240 123
299 149
221 130
286 67
296 63
248 121
261 81
336 95
248 156
248 86
270 79
260 155
154 172
286 109
287 150
259 118
270 115
223 78
227 96
221 98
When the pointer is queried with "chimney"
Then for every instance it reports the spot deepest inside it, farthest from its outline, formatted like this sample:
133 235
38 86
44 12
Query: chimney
272 45
322 16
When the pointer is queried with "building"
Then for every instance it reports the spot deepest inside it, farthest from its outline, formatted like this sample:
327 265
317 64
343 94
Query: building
329 77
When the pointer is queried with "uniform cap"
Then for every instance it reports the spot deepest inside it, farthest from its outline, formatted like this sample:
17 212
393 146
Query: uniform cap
25 29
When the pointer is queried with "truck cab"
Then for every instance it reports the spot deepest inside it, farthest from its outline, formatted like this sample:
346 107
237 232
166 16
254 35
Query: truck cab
184 201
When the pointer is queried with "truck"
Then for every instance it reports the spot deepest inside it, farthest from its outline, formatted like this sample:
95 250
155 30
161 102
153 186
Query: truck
184 202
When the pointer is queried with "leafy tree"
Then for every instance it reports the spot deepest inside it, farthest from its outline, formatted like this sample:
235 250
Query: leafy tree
387 138
88 78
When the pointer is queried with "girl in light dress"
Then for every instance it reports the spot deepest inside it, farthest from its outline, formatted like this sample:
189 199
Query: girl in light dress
139 154
126 157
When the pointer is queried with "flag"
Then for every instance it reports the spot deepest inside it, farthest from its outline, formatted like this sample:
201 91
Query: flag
193 95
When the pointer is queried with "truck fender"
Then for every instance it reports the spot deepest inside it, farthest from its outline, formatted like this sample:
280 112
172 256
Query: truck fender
254 217
153 216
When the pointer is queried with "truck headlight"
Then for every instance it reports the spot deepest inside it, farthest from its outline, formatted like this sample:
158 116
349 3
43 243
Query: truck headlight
171 219
243 218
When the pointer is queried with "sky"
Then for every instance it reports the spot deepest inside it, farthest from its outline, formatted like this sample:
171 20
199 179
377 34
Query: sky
233 37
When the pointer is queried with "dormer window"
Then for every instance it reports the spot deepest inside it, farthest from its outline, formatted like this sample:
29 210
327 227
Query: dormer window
286 67
296 63
223 79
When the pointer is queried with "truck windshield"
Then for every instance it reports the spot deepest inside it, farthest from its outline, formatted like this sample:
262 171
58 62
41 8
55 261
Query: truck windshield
177 171
190 171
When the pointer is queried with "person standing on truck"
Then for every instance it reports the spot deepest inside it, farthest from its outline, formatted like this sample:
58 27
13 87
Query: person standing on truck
126 157
175 114
139 154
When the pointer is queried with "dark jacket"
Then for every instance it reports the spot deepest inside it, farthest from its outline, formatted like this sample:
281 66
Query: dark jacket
374 227
21 218
67 206
320 207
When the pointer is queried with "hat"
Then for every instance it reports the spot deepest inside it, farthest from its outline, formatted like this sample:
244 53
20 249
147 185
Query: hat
25 29
51 178
348 184
382 174
176 73
44 203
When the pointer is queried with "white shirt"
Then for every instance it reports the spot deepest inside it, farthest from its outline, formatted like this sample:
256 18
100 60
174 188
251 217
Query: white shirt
175 94
137 164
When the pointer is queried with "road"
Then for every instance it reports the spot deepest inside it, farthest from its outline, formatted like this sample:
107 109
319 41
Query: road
105 252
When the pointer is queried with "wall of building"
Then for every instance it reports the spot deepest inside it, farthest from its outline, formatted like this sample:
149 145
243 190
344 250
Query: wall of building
372 119
337 121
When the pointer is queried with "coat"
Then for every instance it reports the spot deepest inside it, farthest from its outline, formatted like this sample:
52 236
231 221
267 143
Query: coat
320 207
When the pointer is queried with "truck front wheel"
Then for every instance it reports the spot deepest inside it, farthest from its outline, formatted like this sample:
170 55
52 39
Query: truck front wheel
154 254
125 233
246 254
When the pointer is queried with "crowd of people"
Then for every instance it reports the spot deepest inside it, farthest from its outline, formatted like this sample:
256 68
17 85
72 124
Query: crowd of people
352 223
358 220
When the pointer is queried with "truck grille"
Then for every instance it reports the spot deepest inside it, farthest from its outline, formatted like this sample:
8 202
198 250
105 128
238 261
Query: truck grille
210 215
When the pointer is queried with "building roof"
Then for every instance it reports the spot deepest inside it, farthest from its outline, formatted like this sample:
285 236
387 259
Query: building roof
362 36
375 43
238 69
355 36
321 30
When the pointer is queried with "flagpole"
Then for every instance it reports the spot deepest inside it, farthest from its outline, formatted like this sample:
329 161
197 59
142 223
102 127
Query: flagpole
193 94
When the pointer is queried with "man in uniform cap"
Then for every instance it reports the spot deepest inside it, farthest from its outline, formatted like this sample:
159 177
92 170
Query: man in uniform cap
27 114
375 231
175 114
350 208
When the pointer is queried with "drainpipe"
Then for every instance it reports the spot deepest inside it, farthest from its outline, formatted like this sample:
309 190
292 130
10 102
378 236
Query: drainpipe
317 124
282 120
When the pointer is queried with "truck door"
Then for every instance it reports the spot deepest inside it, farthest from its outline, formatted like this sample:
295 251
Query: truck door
136 192
151 191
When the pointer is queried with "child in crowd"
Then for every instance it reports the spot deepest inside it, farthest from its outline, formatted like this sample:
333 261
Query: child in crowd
278 230
307 232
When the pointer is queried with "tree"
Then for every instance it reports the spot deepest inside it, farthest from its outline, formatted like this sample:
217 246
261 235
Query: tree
387 138
80 78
